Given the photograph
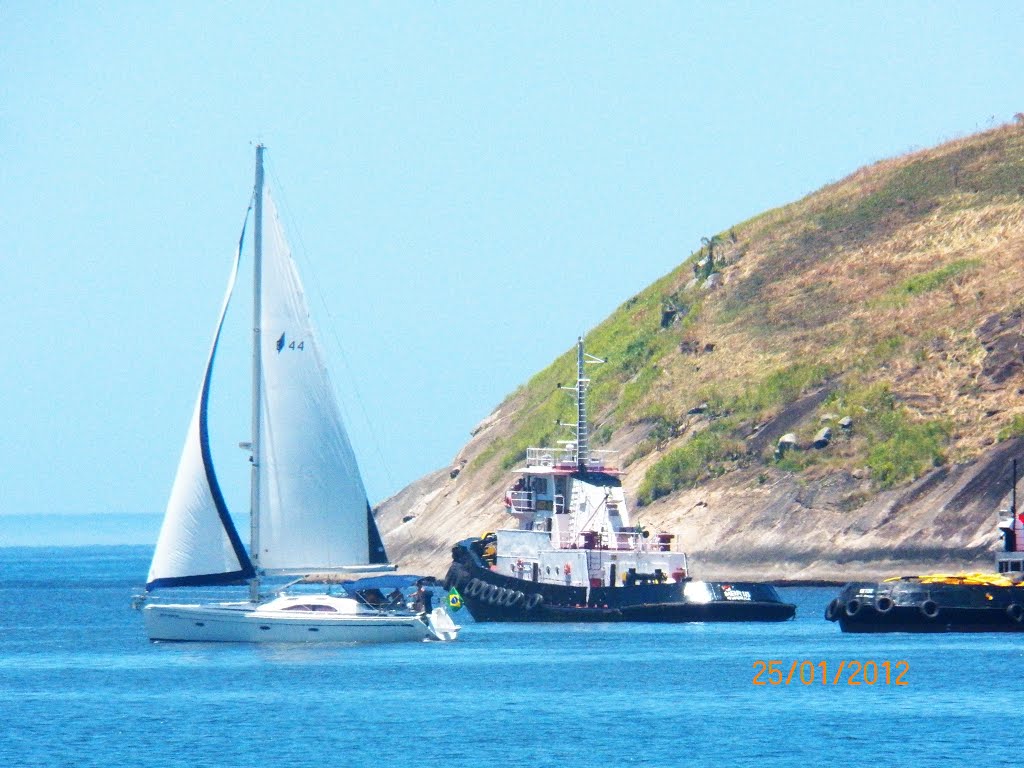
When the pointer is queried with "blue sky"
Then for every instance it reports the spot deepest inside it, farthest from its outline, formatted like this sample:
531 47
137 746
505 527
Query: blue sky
467 187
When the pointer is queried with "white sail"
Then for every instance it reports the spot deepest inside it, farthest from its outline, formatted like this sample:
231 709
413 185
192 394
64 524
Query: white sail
312 508
198 544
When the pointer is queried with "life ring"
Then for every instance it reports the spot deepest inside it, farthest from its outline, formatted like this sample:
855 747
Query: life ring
1016 612
567 569
533 601
929 609
853 607
832 610
884 604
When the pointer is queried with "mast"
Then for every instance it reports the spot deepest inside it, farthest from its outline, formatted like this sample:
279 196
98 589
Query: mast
582 440
257 378
1013 492
1013 510
582 427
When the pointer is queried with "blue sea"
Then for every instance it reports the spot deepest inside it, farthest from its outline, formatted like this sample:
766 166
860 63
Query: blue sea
80 685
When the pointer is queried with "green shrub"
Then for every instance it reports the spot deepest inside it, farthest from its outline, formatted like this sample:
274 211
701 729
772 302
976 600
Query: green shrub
1014 429
911 451
897 449
936 278
781 387
701 456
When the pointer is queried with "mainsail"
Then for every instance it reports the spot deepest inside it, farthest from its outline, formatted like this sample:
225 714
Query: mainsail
198 544
313 512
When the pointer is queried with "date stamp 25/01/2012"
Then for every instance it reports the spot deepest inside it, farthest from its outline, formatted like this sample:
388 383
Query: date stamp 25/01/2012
853 672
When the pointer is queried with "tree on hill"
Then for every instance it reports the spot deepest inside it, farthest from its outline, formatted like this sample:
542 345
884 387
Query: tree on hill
708 262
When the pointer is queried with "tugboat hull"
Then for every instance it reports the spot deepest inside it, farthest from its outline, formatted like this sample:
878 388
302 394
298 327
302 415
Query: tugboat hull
490 596
912 605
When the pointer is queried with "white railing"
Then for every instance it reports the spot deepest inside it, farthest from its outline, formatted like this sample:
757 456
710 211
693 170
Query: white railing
548 457
551 457
521 501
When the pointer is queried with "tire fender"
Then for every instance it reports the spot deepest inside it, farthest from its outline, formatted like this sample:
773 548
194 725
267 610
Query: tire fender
833 609
1016 612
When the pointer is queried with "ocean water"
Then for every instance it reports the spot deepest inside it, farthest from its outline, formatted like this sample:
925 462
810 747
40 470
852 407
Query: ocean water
47 530
80 685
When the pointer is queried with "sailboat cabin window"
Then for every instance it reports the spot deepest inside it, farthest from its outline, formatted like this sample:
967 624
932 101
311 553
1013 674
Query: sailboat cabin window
328 608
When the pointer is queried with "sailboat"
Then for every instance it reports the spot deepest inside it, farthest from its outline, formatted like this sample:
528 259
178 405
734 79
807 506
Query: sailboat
308 507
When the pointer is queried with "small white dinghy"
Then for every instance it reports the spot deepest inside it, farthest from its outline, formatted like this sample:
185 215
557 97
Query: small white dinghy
309 510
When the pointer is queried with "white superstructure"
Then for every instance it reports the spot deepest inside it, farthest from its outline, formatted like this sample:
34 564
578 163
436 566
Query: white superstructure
574 525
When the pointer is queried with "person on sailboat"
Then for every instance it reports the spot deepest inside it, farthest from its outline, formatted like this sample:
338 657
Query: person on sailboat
422 598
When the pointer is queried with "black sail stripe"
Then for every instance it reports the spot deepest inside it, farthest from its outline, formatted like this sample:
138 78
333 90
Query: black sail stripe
247 569
377 554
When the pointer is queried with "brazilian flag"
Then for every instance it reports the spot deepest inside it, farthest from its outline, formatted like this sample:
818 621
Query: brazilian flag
454 599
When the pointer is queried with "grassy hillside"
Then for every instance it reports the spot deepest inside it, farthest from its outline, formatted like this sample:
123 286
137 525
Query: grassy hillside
893 297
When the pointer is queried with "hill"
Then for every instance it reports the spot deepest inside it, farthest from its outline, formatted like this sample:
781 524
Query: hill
877 325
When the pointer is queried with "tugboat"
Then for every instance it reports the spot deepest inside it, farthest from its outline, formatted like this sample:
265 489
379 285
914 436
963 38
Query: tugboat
965 602
576 555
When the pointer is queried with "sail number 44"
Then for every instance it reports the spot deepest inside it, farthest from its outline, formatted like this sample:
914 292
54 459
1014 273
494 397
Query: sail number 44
854 672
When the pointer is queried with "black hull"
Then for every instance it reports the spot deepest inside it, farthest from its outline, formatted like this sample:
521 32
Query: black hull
490 596
910 606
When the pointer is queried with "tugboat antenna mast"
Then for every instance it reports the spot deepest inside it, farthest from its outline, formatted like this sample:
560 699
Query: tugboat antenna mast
582 425
582 439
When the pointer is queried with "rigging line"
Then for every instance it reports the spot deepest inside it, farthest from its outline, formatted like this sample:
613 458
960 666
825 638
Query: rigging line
295 235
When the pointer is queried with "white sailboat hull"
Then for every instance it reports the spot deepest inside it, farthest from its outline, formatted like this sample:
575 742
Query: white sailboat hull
241 623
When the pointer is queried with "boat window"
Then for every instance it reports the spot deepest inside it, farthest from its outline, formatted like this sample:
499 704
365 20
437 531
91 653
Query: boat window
312 607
